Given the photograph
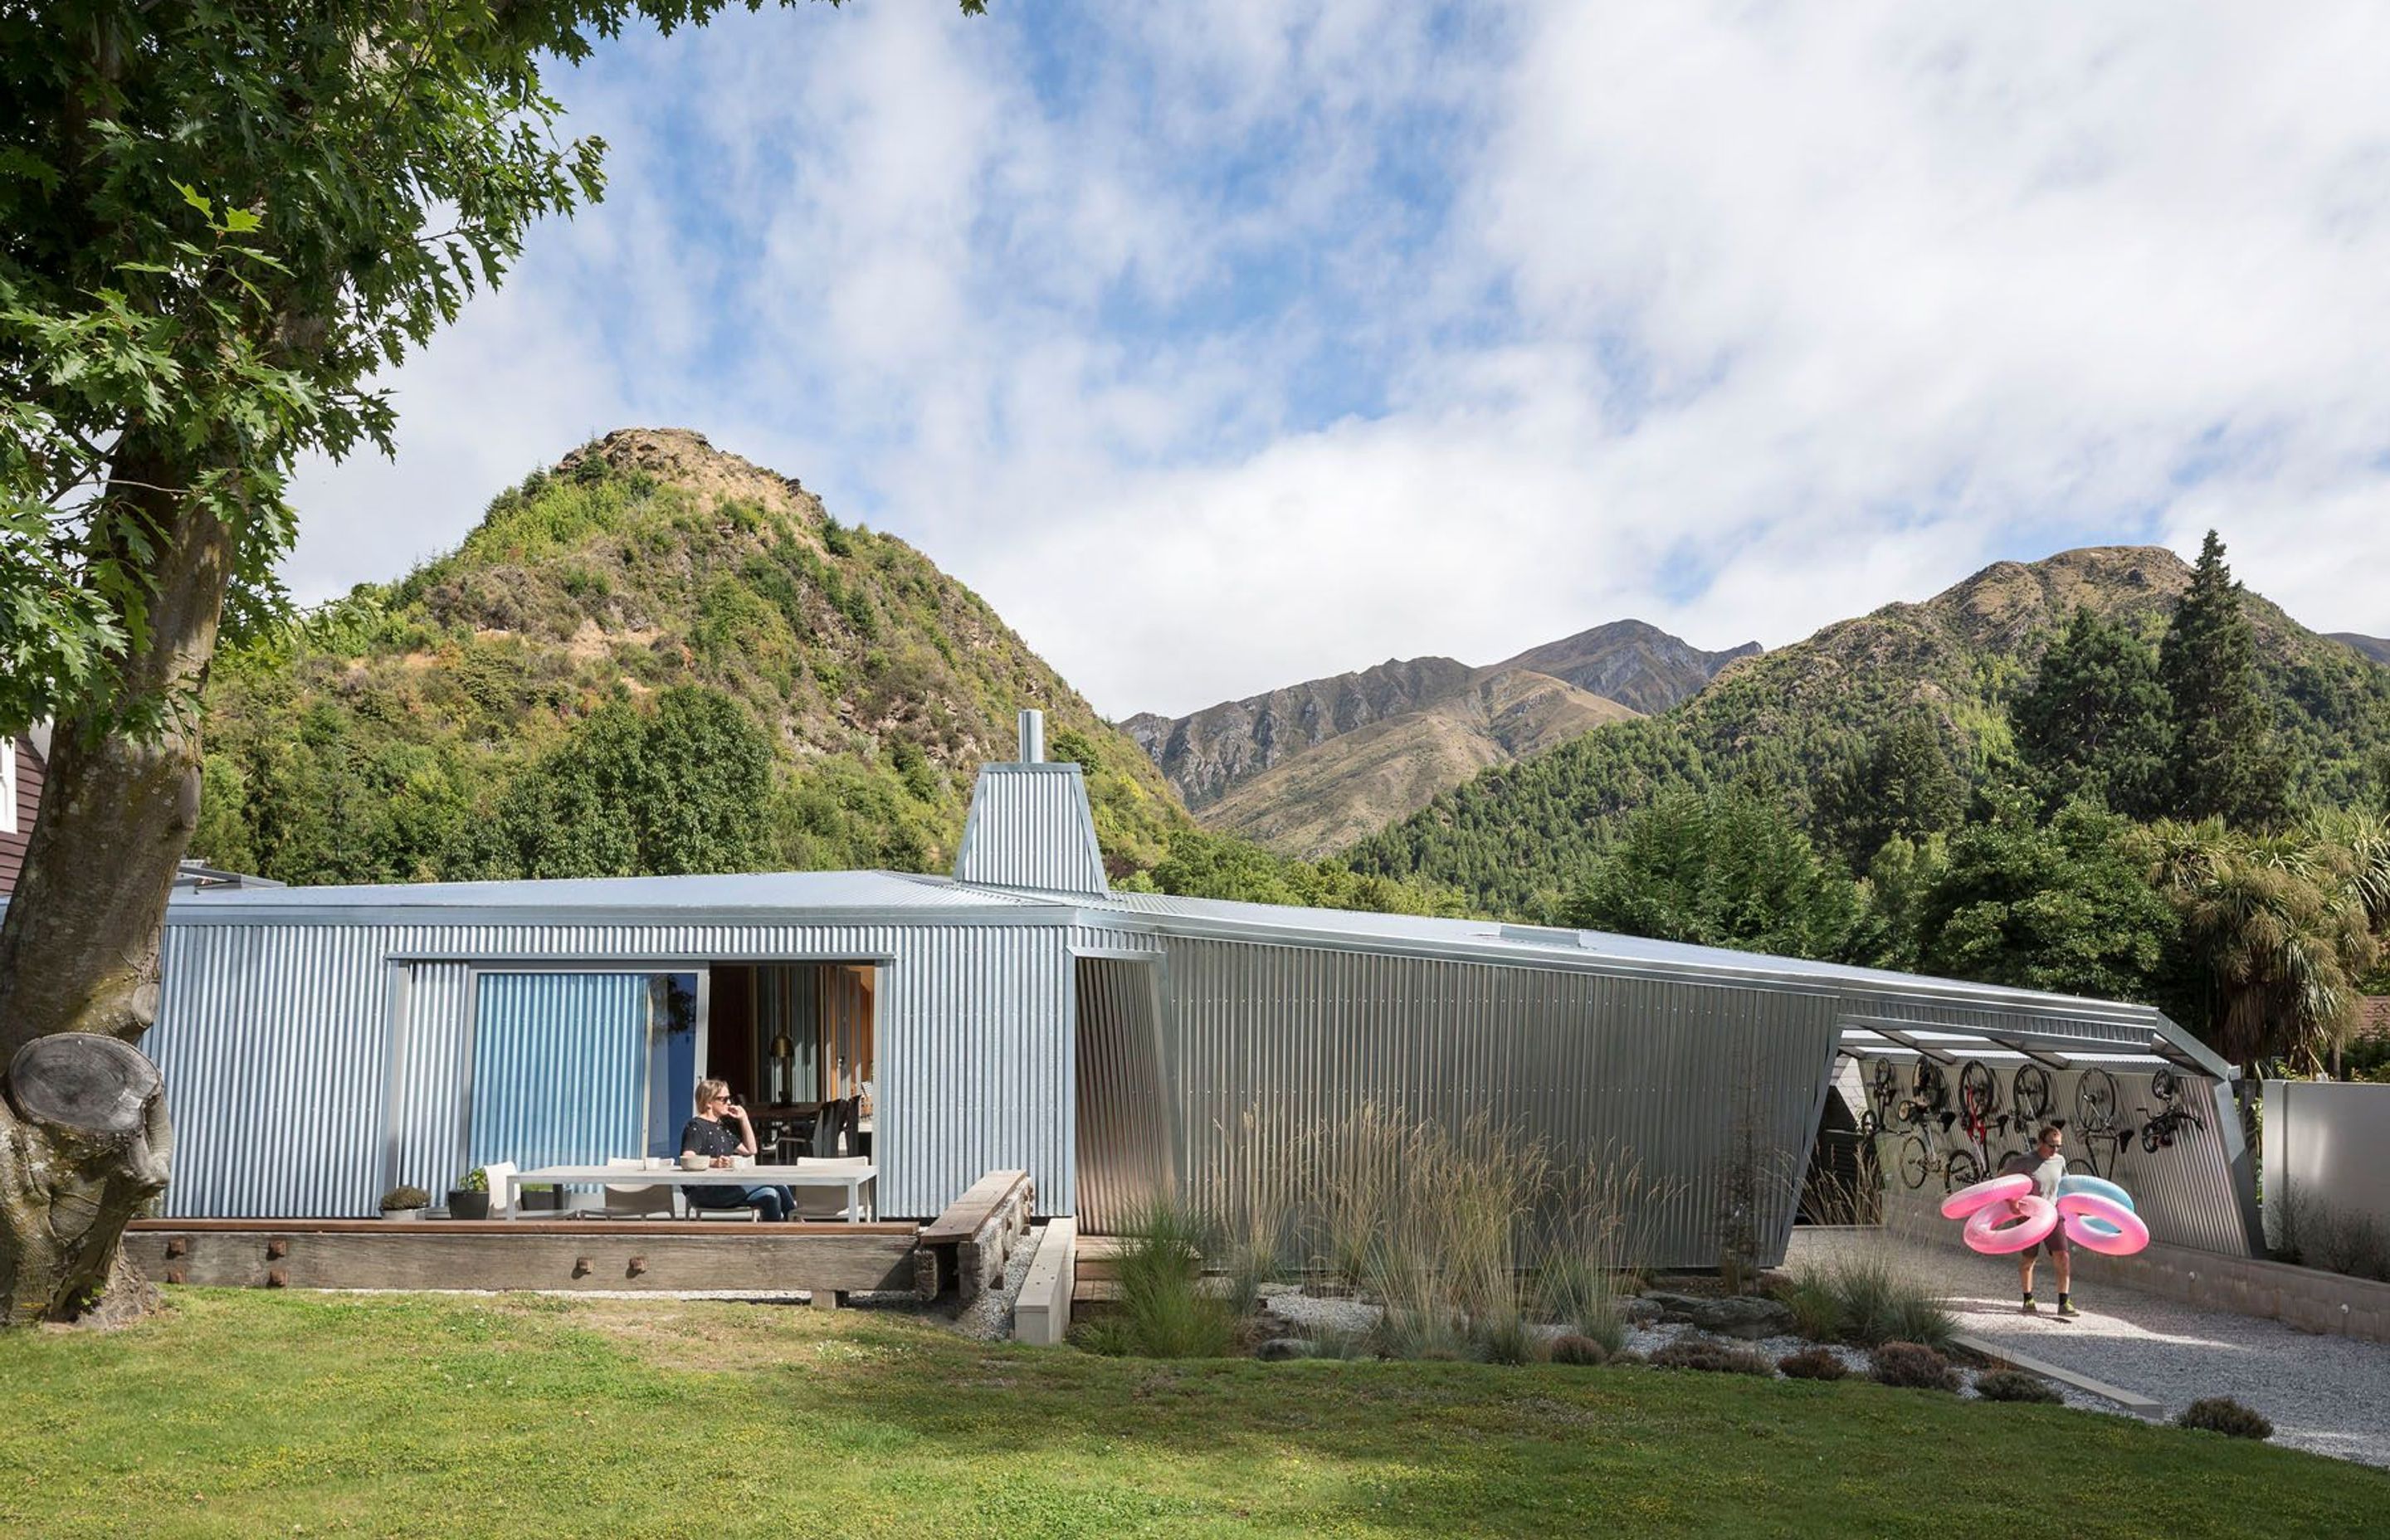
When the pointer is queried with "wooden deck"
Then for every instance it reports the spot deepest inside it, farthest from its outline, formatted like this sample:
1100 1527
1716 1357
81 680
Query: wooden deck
965 1246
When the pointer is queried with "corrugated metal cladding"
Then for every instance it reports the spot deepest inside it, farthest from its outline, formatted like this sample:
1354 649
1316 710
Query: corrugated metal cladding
1030 826
1125 1158
2187 1192
274 1044
559 1069
294 1095
1655 1071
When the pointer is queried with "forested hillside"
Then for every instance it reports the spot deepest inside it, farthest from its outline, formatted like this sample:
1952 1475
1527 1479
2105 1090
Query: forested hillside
654 658
1886 724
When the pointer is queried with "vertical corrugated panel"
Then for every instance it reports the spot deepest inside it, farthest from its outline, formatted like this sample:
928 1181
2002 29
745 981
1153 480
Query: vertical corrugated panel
2185 1191
974 1060
1030 826
430 1072
273 1041
1125 1159
559 1069
1267 1045
2327 1157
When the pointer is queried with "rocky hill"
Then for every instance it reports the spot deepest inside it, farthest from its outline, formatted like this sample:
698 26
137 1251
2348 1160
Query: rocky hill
1636 664
1516 837
1313 767
654 630
1353 785
2375 648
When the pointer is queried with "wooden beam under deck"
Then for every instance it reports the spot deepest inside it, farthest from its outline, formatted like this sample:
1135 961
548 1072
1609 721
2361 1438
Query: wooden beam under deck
363 1253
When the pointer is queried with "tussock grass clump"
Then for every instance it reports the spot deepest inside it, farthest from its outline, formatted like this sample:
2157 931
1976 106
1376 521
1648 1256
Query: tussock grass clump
1578 1351
2015 1385
1712 1356
1912 1367
1814 1363
1163 1310
1505 1336
2221 1414
1867 1301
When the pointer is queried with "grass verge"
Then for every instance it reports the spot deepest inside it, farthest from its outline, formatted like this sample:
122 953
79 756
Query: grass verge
246 1414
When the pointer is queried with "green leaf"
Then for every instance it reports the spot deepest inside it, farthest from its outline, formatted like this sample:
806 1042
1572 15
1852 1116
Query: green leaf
239 222
191 196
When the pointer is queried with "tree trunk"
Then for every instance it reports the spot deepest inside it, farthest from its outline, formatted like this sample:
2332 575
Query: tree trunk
79 945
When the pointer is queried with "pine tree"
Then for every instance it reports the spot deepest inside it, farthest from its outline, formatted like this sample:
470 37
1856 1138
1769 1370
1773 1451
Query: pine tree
2225 762
2095 723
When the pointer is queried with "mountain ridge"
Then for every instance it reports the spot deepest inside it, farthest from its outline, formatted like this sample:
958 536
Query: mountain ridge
1517 837
1233 762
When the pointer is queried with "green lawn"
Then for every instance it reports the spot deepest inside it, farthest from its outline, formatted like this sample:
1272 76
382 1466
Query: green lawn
251 1414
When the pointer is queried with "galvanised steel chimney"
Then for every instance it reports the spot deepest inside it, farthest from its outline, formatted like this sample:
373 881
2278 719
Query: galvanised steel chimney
1033 737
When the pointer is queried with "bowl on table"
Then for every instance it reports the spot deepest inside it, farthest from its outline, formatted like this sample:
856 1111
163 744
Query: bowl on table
692 1162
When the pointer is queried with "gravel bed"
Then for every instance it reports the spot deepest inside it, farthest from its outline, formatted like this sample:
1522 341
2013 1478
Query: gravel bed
2328 1394
1304 1313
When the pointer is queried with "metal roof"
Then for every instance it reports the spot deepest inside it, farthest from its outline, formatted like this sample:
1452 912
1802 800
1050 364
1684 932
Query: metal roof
2053 1026
741 893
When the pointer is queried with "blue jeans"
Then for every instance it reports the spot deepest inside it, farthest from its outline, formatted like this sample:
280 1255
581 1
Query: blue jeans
769 1203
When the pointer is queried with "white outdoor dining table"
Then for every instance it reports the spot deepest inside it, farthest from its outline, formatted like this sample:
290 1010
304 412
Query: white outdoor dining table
855 1179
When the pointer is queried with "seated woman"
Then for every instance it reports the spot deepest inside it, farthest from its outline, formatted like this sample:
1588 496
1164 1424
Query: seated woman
707 1134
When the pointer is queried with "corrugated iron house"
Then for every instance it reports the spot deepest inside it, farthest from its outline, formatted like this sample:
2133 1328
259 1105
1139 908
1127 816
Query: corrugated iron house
321 1044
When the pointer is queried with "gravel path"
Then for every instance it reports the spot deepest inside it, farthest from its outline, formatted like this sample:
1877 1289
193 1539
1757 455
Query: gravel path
2329 1394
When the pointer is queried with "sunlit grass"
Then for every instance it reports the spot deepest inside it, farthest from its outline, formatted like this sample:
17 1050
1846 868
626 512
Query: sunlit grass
249 1414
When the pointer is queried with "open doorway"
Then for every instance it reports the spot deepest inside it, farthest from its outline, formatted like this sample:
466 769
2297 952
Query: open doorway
797 1042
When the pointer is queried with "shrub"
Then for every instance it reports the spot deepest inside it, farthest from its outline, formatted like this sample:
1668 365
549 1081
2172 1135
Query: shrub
475 1180
1815 1363
405 1197
1337 1344
1163 1312
1712 1356
2014 1385
1913 1366
1576 1350
2221 1414
1627 1358
1918 1317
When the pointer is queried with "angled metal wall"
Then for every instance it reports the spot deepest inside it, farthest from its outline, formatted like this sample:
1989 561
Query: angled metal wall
1125 1158
2187 1192
1266 1044
1030 826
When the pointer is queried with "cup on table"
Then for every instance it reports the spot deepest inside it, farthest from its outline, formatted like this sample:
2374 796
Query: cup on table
657 1162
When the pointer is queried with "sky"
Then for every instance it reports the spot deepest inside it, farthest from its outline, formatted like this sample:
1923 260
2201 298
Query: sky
1223 345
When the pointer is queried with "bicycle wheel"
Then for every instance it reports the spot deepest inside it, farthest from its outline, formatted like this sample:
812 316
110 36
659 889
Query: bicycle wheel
1932 1087
1963 1171
1914 1163
1910 1111
2164 1086
2029 1093
1867 1129
1885 1085
1979 1091
2153 1136
2095 1101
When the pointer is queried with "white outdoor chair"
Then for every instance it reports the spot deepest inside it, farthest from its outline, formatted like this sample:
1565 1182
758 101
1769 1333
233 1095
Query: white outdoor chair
826 1202
499 1173
642 1201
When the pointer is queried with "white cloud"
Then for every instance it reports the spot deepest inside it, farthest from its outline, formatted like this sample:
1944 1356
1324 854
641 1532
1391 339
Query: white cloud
1224 346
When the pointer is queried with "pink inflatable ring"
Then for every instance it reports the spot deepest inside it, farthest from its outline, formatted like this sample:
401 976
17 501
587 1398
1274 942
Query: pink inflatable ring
1995 1231
1976 1195
2103 1225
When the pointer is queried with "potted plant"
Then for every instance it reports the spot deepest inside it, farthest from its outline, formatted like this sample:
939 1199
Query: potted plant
404 1203
470 1199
